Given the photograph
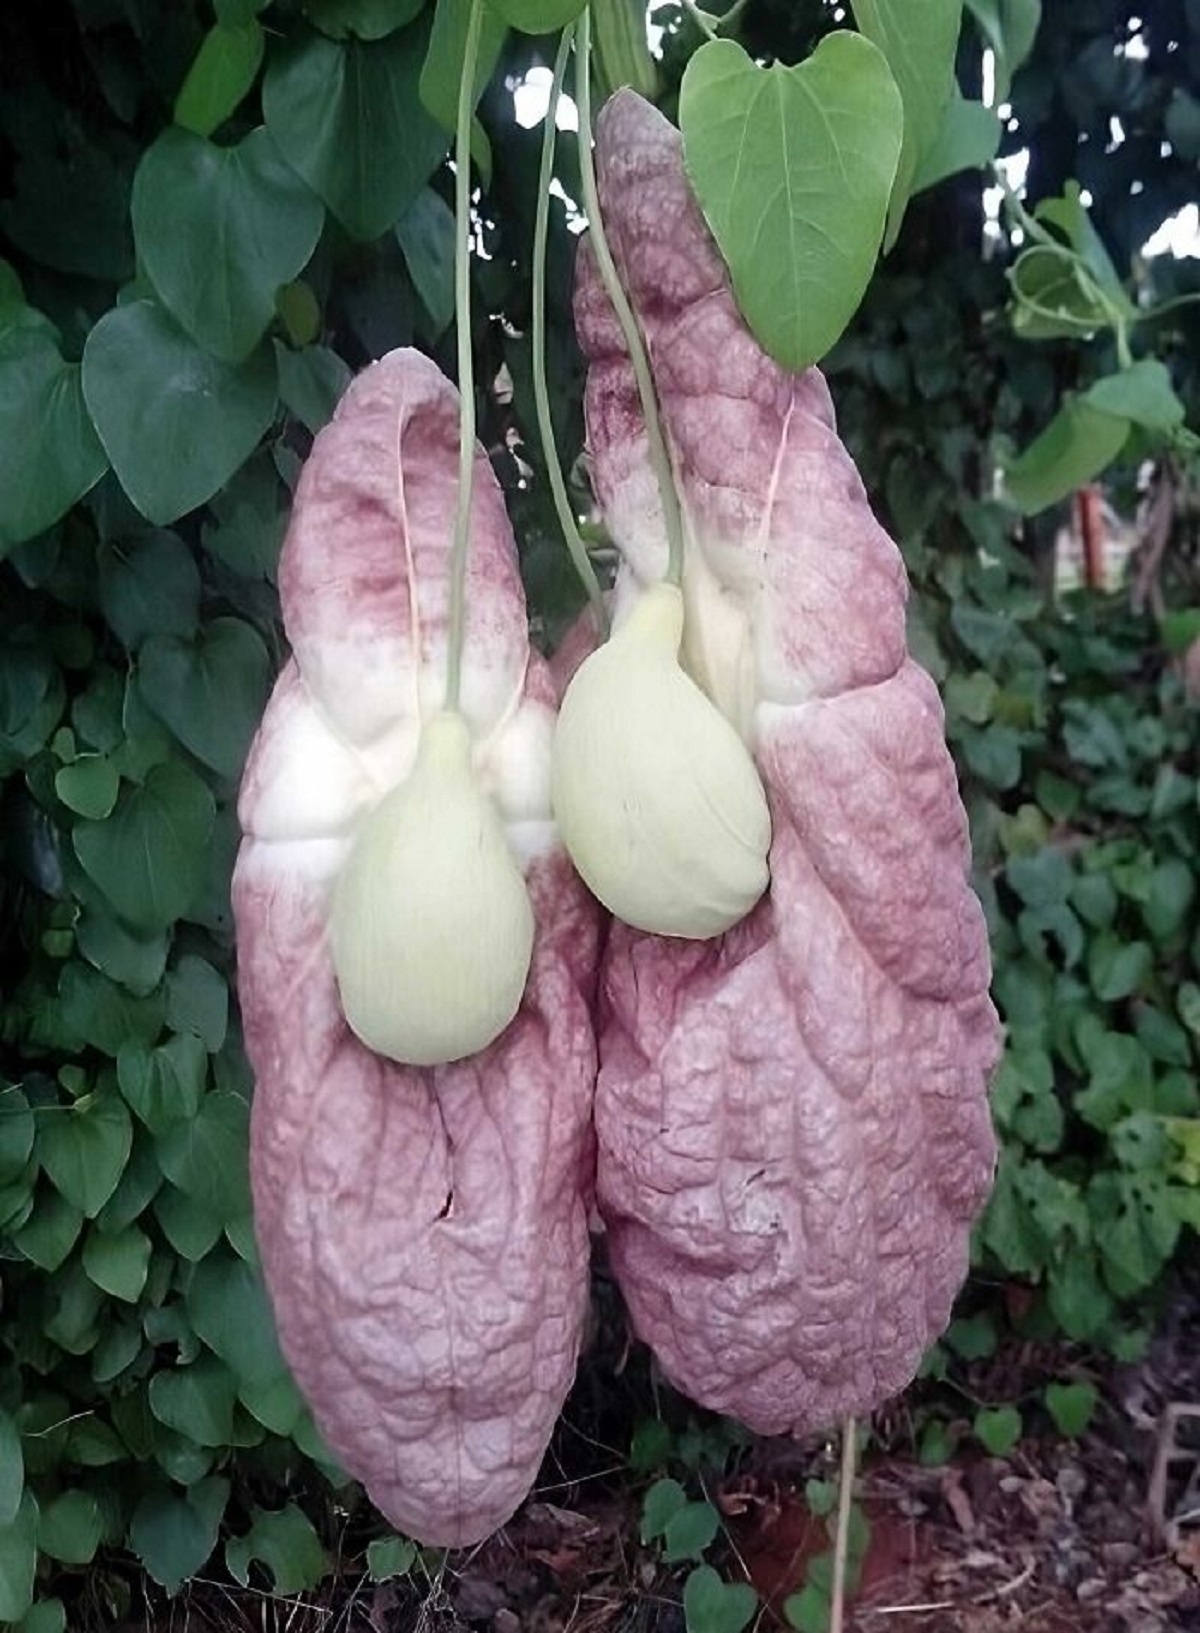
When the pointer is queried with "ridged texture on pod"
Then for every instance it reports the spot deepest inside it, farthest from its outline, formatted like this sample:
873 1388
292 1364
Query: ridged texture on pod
654 793
431 927
792 1120
423 1231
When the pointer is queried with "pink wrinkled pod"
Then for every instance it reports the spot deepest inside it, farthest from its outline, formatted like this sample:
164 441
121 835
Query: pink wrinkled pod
423 1232
792 1121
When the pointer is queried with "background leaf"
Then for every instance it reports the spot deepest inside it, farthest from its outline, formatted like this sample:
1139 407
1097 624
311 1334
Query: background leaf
175 422
50 455
345 116
222 72
148 856
218 230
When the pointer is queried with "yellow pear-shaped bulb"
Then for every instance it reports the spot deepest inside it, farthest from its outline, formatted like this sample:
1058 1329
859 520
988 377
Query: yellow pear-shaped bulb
654 793
431 927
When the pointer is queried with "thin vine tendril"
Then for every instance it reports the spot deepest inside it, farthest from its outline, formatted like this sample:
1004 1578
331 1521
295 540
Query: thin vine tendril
659 458
466 372
541 230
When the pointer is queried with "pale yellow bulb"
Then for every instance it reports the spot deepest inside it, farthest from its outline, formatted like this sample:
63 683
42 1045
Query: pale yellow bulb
431 927
656 796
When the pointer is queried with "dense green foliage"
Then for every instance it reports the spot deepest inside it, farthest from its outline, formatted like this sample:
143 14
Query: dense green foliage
178 316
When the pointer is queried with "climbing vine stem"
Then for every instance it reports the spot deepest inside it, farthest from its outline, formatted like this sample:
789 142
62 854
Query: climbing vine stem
659 458
466 373
541 395
841 1539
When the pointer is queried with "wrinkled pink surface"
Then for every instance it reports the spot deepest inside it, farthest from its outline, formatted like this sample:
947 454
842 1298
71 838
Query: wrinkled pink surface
792 1121
423 1233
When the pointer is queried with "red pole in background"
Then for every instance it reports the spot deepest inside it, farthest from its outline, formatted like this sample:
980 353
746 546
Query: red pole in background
1090 522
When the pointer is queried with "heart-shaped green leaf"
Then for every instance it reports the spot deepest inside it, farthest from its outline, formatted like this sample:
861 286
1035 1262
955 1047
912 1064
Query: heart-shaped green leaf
218 230
425 233
206 1155
148 856
711 1605
173 1535
1075 447
347 117
793 168
18 1560
84 1149
49 453
164 1085
1143 393
228 1308
918 42
210 692
222 72
149 586
88 786
967 139
174 420
118 1261
197 1400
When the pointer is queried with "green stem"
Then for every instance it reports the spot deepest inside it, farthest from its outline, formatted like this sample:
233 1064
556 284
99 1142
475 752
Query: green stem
610 278
541 395
841 1541
1152 312
466 372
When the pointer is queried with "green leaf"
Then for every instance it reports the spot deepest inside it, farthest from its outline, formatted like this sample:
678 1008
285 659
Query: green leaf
164 1086
538 16
1077 1298
1056 298
664 1499
689 1532
84 1148
198 1001
148 857
1041 880
175 421
1009 27
1142 393
650 1445
310 383
210 692
998 1429
88 786
389 1557
968 139
275 1403
1170 898
918 44
17 1130
347 118
711 1605
46 1616
441 71
70 1528
285 1542
793 168
173 1536
207 1156
18 1560
1116 969
972 1337
93 1010
118 1263
1071 1406
425 233
222 72
367 19
808 1611
51 1231
218 230
149 586
50 455
12 1469
196 1401
228 1307
1079 443
191 1228
134 962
